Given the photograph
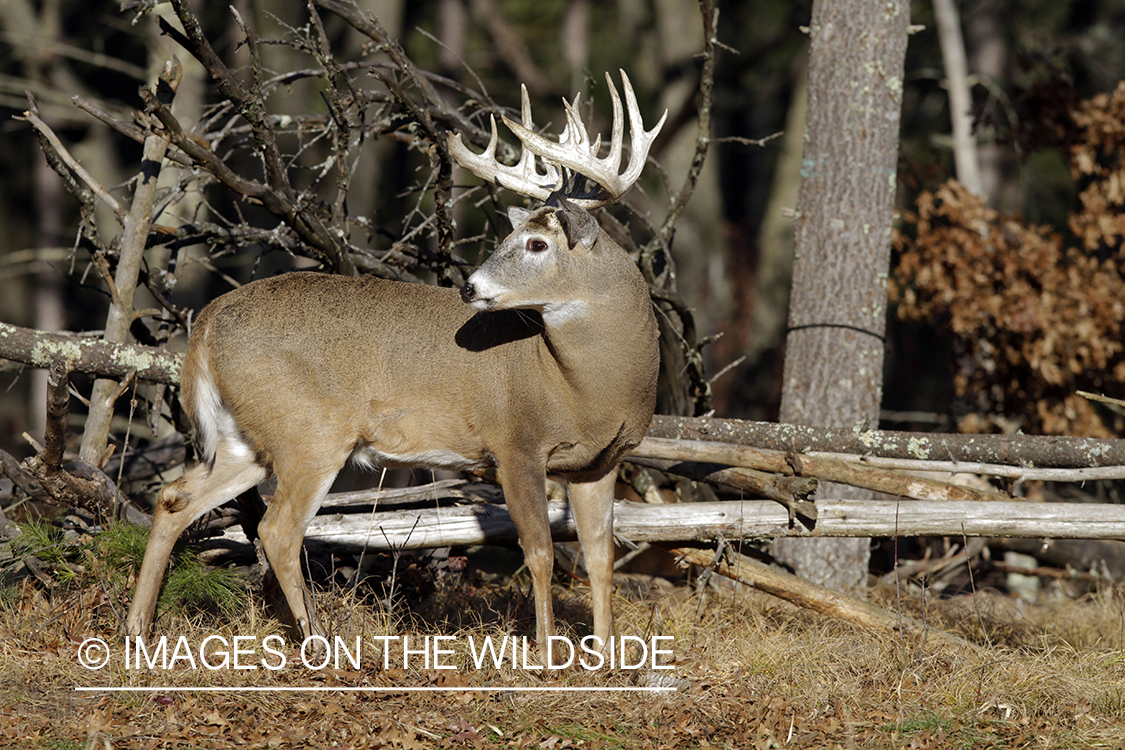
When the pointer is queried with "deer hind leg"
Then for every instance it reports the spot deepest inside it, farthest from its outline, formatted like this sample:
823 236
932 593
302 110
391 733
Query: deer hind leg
592 505
525 493
202 488
300 492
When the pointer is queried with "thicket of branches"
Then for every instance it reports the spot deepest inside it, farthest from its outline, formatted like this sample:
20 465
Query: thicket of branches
254 179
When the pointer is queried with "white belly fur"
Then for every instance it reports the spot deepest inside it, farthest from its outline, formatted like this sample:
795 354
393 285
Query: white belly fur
369 457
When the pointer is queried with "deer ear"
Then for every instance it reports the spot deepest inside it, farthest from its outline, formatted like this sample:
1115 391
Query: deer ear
580 226
518 215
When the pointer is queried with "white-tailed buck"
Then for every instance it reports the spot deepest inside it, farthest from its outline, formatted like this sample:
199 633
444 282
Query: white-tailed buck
550 367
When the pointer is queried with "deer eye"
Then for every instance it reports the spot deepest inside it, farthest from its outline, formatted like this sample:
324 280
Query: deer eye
535 245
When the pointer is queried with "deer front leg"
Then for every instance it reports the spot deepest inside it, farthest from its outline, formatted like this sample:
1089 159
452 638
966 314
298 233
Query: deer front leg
592 505
525 493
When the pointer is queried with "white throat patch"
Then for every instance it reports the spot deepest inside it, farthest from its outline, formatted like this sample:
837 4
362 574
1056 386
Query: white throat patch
558 313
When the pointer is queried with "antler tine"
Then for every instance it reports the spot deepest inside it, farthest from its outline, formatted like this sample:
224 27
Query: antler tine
642 139
617 135
525 176
572 152
483 165
525 106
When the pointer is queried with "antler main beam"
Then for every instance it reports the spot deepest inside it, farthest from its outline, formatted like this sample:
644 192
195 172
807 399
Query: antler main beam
572 153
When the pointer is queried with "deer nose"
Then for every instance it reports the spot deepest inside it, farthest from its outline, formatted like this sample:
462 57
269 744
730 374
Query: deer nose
468 292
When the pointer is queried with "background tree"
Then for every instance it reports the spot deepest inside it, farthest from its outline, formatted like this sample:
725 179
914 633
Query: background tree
837 311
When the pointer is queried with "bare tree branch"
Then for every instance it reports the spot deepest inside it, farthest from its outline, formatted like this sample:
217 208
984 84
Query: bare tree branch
127 129
91 355
279 197
57 148
710 16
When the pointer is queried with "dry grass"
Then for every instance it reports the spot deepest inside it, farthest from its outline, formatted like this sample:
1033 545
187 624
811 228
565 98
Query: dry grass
758 673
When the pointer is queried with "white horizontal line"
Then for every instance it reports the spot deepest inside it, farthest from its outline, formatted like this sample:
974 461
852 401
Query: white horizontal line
345 689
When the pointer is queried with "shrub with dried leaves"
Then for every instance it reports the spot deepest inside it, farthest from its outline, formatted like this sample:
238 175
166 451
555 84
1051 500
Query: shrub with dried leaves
1033 320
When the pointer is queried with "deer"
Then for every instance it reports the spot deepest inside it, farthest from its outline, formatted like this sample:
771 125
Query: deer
544 362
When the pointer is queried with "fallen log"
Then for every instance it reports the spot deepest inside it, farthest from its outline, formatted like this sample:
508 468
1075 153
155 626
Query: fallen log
703 522
796 464
99 357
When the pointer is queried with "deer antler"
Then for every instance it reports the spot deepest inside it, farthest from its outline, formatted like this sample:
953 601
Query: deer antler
573 154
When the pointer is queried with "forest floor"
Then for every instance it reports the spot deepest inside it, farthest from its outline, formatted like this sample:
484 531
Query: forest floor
747 671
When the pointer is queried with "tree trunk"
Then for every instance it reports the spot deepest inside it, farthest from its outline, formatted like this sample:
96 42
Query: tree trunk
833 372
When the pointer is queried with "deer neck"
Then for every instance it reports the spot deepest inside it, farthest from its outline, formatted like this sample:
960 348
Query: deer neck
600 344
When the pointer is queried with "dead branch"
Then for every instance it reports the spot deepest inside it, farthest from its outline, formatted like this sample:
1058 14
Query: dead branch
938 572
11 468
817 598
792 492
135 463
1039 571
54 147
281 204
703 132
131 247
90 355
91 490
277 195
882 480
99 357
368 25
1009 450
128 129
973 467
792 463
442 165
682 350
